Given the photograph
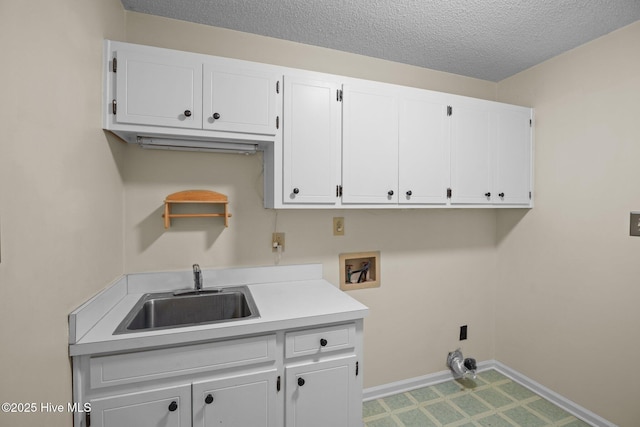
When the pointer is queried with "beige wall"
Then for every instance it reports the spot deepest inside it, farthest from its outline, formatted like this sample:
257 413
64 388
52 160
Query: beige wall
61 205
437 266
568 289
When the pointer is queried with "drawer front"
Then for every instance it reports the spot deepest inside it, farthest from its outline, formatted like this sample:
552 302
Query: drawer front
321 340
165 363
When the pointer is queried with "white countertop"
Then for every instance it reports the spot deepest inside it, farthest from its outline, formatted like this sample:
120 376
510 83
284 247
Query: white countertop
305 300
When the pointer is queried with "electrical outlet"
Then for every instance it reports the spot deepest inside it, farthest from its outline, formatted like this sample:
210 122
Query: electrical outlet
634 224
338 226
277 240
463 332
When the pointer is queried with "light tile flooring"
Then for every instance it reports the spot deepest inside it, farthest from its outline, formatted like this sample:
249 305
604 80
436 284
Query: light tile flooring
491 400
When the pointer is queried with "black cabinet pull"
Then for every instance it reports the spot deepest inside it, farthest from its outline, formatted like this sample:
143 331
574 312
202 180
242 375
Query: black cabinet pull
173 406
216 116
390 192
187 113
300 382
487 194
409 193
501 195
296 190
323 342
209 399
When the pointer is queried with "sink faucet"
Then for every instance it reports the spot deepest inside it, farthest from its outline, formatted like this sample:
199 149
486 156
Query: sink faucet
197 277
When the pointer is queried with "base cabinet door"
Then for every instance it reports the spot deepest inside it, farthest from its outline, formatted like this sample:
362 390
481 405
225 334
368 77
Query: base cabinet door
164 407
247 400
322 394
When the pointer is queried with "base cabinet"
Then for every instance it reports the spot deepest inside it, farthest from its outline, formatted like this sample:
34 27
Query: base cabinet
306 378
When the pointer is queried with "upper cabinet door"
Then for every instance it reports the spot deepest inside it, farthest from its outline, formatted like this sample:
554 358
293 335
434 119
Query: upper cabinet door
311 141
423 149
158 90
369 144
512 180
239 100
471 153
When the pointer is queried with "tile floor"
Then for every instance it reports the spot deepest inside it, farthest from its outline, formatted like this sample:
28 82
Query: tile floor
491 400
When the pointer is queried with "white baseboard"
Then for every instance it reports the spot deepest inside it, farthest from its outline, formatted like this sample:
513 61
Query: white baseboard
442 376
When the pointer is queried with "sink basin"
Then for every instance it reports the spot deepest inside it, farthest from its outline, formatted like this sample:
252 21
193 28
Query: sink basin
168 310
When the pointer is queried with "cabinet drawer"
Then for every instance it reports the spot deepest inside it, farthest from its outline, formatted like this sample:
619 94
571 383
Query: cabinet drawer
164 363
321 340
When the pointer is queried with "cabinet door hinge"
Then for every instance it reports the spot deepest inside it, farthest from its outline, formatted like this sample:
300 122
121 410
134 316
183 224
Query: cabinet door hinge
338 190
278 86
87 418
114 65
114 106
449 110
278 384
357 368
277 122
449 193
339 95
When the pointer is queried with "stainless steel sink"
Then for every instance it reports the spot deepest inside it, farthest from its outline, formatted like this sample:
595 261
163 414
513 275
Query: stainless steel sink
168 310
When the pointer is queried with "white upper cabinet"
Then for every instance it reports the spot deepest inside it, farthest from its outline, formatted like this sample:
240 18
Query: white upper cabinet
179 99
328 141
239 100
490 153
470 152
423 163
311 141
369 144
512 154
158 90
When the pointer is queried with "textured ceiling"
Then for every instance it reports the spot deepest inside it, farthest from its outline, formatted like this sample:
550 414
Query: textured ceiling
486 39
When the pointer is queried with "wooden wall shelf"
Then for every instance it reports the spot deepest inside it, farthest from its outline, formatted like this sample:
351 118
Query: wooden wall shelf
195 197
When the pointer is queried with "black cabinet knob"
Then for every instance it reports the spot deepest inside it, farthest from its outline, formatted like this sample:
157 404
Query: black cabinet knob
300 382
409 193
209 399
173 406
323 342
187 113
487 194
296 190
216 116
501 195
390 193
